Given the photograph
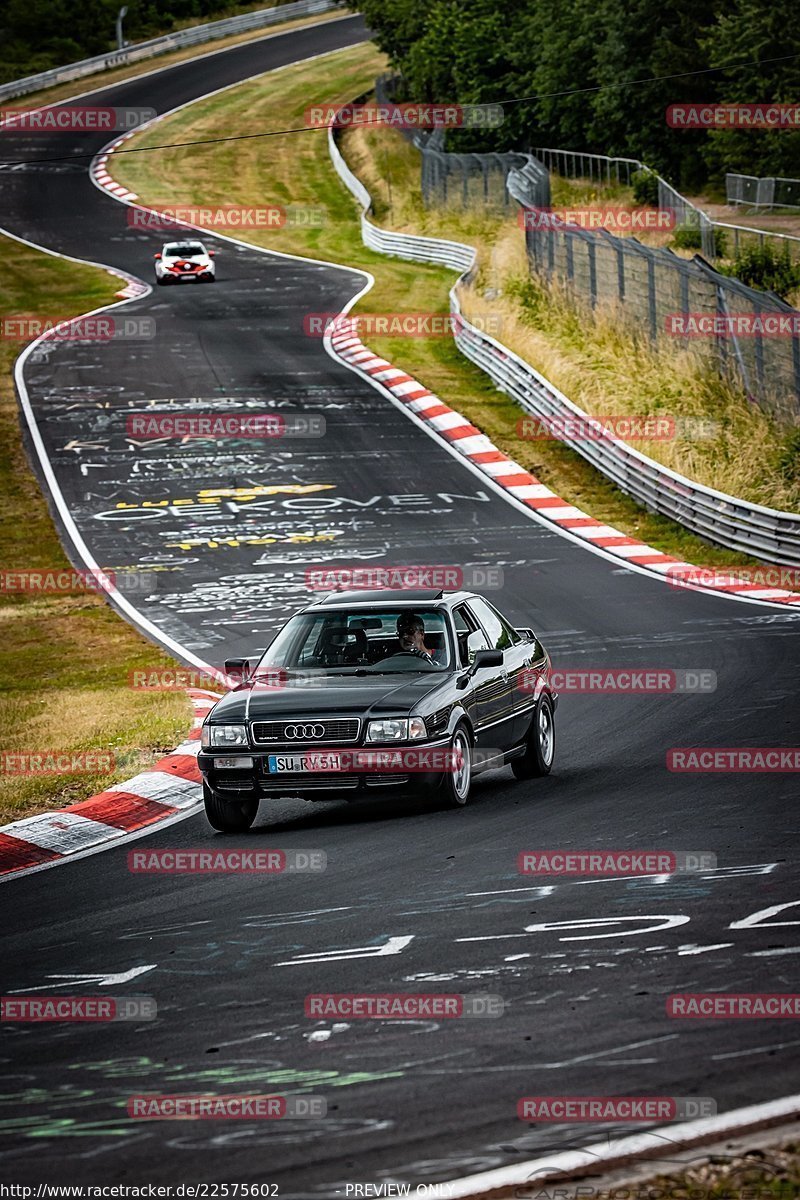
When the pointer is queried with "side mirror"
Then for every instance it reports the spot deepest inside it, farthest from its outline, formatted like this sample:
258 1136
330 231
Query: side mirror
238 669
156 256
487 658
526 633
211 253
480 658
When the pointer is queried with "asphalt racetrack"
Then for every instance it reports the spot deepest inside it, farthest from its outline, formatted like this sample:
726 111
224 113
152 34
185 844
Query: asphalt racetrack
227 537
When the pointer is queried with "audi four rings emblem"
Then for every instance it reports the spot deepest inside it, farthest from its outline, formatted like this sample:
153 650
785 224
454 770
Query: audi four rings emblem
293 732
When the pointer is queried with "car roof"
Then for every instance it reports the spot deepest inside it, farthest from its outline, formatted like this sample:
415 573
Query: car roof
183 242
388 597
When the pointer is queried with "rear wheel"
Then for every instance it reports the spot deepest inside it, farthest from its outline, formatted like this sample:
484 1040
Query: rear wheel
160 281
540 748
228 816
458 779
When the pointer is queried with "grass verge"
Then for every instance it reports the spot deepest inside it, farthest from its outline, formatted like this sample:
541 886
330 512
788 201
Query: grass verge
297 170
64 658
768 1173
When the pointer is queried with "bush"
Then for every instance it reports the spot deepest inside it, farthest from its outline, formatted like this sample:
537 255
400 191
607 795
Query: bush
687 239
690 238
764 267
645 187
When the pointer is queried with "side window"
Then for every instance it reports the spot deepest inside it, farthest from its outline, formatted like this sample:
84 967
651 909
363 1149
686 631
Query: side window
500 633
465 625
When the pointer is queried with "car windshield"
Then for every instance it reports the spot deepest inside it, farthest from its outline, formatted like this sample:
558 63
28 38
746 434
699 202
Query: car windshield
183 251
374 641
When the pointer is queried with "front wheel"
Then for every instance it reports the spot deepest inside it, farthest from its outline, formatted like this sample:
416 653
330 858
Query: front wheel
458 779
226 816
540 749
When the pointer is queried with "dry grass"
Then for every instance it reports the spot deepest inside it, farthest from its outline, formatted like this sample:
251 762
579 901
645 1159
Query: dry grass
608 371
597 359
771 1173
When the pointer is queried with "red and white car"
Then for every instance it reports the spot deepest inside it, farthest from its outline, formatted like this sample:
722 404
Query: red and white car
189 259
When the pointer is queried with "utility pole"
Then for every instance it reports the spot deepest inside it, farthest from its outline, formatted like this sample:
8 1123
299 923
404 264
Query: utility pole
120 40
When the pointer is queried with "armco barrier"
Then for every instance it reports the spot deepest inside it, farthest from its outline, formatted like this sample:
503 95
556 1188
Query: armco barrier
162 45
736 524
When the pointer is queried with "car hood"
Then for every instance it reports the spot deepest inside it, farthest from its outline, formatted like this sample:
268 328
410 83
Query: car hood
359 695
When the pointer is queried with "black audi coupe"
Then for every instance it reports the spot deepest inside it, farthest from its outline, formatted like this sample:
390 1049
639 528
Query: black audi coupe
363 693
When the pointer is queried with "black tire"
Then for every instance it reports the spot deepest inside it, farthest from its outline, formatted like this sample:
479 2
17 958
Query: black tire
540 750
457 783
160 282
228 816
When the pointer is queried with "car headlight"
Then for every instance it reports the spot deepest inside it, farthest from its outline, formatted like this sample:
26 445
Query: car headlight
223 735
396 729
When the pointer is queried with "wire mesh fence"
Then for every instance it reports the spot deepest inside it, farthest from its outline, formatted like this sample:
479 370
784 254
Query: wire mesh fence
460 181
749 335
762 193
467 180
718 239
744 333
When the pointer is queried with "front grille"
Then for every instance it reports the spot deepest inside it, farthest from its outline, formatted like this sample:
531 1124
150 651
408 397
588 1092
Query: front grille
304 732
289 785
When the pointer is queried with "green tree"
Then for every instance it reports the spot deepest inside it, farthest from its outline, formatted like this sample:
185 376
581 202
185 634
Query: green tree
555 57
643 40
750 30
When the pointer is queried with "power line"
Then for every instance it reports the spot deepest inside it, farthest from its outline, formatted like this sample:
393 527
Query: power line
241 137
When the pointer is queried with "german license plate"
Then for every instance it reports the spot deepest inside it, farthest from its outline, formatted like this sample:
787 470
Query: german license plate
297 763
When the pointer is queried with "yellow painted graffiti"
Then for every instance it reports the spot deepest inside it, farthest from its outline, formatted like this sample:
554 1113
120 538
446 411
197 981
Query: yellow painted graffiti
212 495
292 539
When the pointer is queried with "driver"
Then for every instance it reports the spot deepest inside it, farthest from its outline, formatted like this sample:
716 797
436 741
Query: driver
411 633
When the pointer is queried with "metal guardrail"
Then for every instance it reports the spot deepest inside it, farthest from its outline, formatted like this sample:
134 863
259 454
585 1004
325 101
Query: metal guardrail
195 36
767 192
736 524
401 245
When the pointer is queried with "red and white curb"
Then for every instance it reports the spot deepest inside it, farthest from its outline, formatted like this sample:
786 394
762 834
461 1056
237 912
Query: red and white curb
99 171
658 1145
99 174
454 428
171 786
